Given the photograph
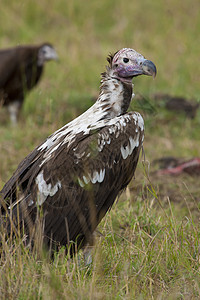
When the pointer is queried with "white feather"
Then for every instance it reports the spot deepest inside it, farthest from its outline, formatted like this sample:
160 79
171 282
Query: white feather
80 182
86 179
94 178
133 143
124 151
44 189
101 175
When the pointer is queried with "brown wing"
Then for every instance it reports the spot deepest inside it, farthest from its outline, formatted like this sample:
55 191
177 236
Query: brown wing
20 179
77 186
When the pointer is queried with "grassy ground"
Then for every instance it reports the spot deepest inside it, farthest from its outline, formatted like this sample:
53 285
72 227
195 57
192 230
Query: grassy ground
149 248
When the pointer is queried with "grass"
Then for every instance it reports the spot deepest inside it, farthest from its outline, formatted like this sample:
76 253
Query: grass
144 252
149 248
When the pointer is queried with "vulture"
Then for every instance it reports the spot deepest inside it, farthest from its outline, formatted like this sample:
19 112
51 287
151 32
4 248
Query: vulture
20 70
69 182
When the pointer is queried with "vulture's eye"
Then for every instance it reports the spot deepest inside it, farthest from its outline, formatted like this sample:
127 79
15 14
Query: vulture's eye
125 60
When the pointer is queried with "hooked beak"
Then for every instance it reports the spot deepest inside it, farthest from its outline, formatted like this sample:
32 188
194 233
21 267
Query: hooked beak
54 55
51 55
141 67
149 68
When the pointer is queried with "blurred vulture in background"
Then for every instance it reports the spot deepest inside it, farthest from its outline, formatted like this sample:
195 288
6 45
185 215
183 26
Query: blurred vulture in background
20 70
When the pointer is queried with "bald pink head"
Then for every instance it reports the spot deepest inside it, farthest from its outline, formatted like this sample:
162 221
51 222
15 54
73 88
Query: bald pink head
127 63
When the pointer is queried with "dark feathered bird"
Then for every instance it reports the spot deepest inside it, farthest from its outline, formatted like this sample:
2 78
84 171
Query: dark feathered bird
75 176
20 70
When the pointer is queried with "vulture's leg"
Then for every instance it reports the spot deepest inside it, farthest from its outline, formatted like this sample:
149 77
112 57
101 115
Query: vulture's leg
87 255
14 109
88 249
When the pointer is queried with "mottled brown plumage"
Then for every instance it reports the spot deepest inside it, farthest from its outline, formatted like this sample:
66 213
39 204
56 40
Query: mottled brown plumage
20 70
75 176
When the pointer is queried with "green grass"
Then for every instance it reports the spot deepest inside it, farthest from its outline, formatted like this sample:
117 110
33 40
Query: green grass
149 248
